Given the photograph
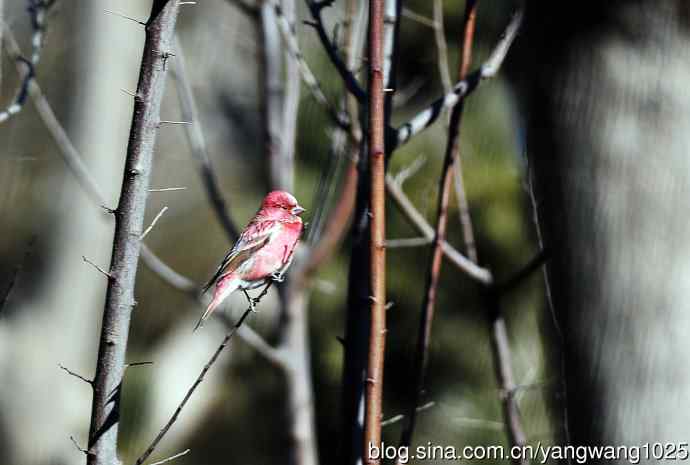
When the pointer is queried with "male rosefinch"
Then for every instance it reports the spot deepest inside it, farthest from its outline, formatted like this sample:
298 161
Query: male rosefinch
263 251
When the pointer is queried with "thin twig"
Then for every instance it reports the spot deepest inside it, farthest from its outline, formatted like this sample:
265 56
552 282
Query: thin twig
226 340
38 12
407 208
436 260
523 273
76 375
421 19
197 142
153 223
442 46
397 418
315 8
427 117
407 242
129 219
172 457
79 448
167 189
308 77
125 17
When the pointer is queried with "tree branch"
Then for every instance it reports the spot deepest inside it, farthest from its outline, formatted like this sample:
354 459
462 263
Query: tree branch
226 340
435 262
197 143
377 251
417 220
351 83
427 117
308 77
38 12
129 219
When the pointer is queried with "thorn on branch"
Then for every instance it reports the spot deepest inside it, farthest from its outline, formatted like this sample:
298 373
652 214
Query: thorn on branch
153 223
76 375
125 17
98 268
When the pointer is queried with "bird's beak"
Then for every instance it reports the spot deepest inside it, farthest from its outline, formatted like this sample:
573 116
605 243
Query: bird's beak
297 210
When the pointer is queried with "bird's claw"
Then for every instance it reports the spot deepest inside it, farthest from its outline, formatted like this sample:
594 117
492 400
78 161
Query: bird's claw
278 277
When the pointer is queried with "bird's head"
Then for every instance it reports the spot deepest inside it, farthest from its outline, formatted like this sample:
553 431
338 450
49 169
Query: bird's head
284 201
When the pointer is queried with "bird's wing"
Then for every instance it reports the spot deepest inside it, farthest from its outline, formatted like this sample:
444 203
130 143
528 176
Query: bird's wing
255 236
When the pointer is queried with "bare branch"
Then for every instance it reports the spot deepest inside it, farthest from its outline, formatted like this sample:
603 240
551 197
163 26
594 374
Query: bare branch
436 259
38 12
153 223
288 34
172 457
167 189
351 83
417 220
76 375
416 17
523 273
504 375
98 268
197 143
427 117
167 274
397 418
79 448
125 17
69 153
226 340
377 251
129 219
407 242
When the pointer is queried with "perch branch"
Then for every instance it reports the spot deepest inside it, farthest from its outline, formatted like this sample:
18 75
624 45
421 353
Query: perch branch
226 340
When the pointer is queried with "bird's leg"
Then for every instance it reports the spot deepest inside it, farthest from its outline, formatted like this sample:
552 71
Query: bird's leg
252 301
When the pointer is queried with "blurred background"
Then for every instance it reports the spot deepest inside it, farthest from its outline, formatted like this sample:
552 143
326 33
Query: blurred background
54 299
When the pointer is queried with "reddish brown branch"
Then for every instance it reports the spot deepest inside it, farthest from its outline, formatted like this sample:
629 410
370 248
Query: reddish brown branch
377 251
434 273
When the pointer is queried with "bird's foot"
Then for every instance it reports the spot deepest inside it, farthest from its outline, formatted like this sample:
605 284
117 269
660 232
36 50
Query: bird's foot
278 277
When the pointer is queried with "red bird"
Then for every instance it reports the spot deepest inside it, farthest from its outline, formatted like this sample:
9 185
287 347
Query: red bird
263 251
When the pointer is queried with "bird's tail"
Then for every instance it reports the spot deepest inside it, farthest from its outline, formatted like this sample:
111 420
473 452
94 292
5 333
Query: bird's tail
222 291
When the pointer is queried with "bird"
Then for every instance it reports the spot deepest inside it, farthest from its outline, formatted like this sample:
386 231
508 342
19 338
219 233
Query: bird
262 253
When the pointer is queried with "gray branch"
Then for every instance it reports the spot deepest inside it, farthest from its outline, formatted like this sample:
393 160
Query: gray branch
129 220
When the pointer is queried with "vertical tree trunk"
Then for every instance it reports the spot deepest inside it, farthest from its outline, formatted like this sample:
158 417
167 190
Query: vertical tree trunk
129 219
609 137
